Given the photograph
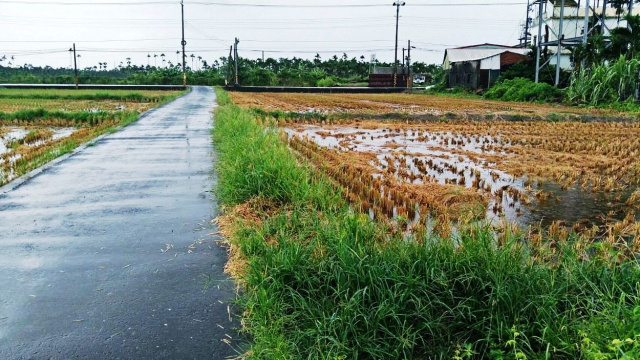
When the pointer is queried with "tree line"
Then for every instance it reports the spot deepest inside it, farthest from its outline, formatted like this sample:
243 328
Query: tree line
294 71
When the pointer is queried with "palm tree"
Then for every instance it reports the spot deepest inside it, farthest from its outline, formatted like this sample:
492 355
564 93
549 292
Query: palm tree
128 62
148 59
155 60
192 57
199 61
178 57
162 56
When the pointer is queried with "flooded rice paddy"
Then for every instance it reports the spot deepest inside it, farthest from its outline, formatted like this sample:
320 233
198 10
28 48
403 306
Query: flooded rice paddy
18 141
555 174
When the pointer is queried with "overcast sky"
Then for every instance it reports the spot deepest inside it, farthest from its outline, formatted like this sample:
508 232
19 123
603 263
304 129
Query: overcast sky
40 32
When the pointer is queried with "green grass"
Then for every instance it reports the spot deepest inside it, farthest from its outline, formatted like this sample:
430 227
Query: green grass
119 95
322 282
78 118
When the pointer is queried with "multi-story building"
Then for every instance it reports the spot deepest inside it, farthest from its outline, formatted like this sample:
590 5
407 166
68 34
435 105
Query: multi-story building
572 25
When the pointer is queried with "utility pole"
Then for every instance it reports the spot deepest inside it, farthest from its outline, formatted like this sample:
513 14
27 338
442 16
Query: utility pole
540 9
229 69
75 64
409 78
184 55
397 4
526 25
585 35
630 12
235 53
403 58
603 17
560 38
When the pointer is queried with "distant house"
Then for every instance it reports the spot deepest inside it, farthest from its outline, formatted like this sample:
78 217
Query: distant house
479 66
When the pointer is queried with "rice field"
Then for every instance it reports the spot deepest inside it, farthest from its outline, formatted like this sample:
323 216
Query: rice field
433 276
417 106
429 175
39 125
14 105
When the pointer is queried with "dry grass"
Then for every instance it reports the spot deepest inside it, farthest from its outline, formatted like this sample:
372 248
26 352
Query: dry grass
415 104
385 196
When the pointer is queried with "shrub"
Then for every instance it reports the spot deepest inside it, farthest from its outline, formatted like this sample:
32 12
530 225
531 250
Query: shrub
327 82
520 89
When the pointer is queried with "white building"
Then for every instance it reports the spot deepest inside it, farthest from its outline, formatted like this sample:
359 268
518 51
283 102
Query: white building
573 24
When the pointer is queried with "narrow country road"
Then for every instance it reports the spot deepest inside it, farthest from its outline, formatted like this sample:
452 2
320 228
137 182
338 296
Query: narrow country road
109 254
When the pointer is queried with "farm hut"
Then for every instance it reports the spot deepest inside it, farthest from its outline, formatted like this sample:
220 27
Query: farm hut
479 66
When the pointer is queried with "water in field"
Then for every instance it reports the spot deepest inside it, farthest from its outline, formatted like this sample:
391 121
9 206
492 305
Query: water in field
418 156
8 137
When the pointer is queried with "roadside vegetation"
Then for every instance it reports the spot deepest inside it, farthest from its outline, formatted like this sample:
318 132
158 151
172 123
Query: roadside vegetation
320 280
37 126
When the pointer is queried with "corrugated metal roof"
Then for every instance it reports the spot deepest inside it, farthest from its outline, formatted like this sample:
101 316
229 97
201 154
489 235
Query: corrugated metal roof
567 3
458 55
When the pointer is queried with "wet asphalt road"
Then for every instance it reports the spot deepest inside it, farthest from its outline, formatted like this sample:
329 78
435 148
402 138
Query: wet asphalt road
109 253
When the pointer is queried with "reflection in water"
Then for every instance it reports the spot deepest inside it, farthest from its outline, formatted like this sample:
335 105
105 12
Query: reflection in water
418 156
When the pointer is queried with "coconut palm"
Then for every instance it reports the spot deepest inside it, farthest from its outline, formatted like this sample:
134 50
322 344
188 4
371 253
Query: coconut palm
192 57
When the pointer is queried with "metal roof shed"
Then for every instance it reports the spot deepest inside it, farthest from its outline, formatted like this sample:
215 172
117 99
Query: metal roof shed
480 67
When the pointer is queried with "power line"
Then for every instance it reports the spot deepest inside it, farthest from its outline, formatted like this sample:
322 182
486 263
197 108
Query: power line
31 2
348 5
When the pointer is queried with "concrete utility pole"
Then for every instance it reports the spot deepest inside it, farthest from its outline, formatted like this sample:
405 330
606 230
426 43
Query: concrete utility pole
630 12
397 4
603 17
540 9
235 55
409 79
403 58
560 38
184 55
229 70
526 25
75 64
585 35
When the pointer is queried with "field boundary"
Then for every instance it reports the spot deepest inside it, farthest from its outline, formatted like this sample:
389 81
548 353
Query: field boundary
315 90
19 181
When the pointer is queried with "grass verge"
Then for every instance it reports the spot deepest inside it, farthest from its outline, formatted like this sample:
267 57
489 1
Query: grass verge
322 282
